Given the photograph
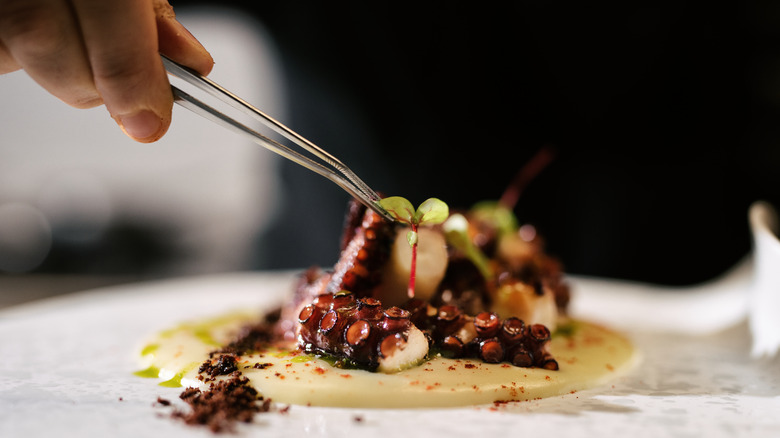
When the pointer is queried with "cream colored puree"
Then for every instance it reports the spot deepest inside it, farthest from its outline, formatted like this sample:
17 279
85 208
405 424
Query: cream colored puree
588 355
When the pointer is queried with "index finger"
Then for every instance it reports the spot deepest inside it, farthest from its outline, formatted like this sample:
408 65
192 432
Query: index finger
120 37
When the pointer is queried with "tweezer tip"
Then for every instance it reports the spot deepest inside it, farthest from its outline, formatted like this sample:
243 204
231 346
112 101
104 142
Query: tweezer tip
374 205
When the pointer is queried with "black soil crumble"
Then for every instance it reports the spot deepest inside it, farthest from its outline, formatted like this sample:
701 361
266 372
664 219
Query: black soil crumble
253 337
229 400
224 365
224 404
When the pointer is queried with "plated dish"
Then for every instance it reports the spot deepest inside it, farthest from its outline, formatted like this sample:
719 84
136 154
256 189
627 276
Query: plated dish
470 311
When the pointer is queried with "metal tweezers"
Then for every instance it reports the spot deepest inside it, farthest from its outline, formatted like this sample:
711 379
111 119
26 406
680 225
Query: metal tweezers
330 167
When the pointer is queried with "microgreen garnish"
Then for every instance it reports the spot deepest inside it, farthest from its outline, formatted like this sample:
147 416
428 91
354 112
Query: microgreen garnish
456 229
527 173
432 211
493 212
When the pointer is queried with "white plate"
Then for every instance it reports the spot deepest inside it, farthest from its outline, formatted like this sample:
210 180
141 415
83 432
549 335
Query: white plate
66 369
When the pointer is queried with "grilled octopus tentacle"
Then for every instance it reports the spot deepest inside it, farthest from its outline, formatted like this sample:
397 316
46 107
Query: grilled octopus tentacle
366 243
358 331
359 267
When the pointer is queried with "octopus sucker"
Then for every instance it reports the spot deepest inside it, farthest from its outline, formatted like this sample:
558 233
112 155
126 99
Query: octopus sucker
358 332
359 267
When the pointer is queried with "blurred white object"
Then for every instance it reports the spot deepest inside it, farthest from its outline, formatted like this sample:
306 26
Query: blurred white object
765 298
696 310
25 237
749 290
210 190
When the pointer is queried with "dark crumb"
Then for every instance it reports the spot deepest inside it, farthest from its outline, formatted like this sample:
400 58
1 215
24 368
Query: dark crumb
232 400
226 403
253 337
357 419
163 401
189 392
284 410
262 366
121 399
226 364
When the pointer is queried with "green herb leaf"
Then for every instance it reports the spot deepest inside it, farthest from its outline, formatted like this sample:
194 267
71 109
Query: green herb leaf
412 237
400 208
493 212
456 231
431 212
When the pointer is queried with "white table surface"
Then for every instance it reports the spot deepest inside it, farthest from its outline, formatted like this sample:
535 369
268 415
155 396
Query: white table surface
66 369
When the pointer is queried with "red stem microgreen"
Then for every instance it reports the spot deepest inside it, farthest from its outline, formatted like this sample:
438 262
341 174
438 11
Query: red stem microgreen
431 212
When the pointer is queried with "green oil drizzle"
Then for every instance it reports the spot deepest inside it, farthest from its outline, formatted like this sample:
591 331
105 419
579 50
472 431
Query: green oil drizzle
203 333
149 349
567 329
149 373
203 330
175 381
337 362
168 333
281 354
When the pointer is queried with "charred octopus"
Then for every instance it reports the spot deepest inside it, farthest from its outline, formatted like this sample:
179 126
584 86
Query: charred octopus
485 290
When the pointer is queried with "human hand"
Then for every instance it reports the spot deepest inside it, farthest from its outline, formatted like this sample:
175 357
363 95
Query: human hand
93 52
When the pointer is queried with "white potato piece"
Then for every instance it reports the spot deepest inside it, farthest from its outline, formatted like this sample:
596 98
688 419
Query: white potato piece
431 265
410 352
521 300
515 250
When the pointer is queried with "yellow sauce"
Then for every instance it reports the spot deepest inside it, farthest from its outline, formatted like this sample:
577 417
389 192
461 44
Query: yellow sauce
588 355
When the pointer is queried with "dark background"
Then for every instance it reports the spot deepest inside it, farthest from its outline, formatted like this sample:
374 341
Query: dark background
664 115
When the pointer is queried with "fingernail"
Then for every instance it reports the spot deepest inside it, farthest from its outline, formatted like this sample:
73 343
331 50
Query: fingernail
144 126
